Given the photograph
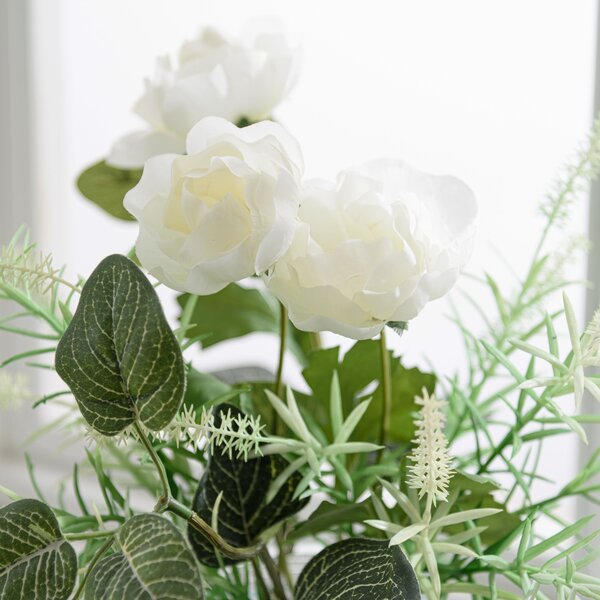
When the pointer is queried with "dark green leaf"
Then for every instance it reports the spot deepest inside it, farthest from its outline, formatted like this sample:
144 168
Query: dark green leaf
118 355
476 492
106 187
243 512
398 326
358 569
153 561
35 560
328 516
236 311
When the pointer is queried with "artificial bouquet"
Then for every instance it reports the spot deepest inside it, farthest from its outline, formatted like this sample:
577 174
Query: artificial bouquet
361 469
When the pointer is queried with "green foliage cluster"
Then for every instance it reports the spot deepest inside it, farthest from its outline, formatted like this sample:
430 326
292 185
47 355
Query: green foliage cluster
243 474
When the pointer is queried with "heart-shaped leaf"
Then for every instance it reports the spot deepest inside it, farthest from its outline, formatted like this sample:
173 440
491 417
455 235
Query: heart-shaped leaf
35 559
358 569
119 355
243 512
106 187
153 561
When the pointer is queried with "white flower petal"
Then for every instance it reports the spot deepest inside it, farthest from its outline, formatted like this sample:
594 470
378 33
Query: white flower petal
134 149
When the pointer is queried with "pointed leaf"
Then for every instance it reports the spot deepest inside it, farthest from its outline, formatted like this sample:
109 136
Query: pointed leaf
244 512
153 561
119 355
35 559
358 569
106 187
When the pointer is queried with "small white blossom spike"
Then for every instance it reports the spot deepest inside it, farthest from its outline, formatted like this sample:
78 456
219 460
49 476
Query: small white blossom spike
430 472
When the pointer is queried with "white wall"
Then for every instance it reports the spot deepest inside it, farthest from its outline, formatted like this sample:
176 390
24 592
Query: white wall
497 93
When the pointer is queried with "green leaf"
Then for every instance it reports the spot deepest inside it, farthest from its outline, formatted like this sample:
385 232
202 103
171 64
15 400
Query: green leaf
360 368
236 311
328 515
153 561
406 385
35 559
118 355
244 513
476 492
358 569
202 389
106 187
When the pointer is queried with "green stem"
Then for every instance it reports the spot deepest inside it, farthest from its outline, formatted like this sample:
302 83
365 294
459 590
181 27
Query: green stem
166 490
167 502
186 317
200 525
386 393
101 552
278 387
88 535
273 573
260 580
283 330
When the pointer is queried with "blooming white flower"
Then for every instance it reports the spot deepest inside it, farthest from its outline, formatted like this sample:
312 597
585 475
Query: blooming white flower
224 211
374 248
238 78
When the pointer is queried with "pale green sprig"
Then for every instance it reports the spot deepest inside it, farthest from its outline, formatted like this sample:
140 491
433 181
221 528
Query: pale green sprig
426 532
236 435
23 267
311 451
431 470
569 375
577 175
14 390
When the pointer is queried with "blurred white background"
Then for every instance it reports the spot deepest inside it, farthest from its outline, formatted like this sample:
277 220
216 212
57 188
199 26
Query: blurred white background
498 93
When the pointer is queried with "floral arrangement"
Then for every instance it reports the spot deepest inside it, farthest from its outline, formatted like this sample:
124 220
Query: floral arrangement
363 469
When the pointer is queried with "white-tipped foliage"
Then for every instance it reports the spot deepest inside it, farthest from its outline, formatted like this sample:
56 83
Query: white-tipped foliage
431 470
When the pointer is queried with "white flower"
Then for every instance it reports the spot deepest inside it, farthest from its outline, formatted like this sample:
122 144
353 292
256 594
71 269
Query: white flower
243 78
375 248
224 211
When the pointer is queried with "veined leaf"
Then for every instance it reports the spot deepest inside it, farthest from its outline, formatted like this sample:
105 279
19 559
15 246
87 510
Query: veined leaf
35 559
244 512
358 569
119 355
106 187
153 561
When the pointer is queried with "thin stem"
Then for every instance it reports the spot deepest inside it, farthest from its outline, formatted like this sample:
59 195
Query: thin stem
283 330
278 388
260 580
315 340
202 527
101 552
166 490
88 535
273 573
186 317
386 393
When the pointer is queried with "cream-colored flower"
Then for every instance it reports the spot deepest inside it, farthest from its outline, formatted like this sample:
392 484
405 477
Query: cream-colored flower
234 78
223 212
374 248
